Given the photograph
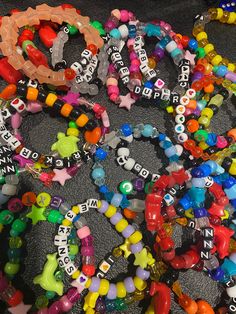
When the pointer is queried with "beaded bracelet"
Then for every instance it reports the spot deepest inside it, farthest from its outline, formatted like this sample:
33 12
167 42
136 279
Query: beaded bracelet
32 17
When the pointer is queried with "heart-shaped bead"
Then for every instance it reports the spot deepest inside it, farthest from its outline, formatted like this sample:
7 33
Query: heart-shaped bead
93 136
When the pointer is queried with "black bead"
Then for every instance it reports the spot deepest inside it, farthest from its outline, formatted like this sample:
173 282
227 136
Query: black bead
122 144
97 82
226 163
60 66
58 104
75 113
42 95
191 116
180 210
90 125
214 108
22 90
224 93
229 139
212 150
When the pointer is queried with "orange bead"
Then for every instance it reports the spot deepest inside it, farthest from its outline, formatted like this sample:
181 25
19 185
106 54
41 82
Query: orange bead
197 85
29 198
66 110
192 125
204 307
93 136
197 152
151 63
19 148
209 88
82 120
70 74
93 48
232 133
189 144
32 93
189 305
129 214
202 61
192 104
8 91
222 310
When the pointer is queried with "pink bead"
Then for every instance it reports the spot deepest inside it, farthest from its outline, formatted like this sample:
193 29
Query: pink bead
134 68
221 142
34 107
72 170
172 34
124 16
16 120
43 311
66 305
111 68
109 25
162 24
15 205
83 232
111 81
135 62
19 137
87 250
167 27
180 46
55 308
131 16
112 90
133 56
113 97
188 111
130 42
73 295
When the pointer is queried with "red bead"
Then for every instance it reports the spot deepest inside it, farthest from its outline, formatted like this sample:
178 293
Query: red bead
21 39
16 298
166 244
180 176
47 35
162 182
88 270
194 255
28 33
14 11
153 210
197 85
78 11
199 68
178 262
67 6
185 41
36 56
70 74
93 48
8 73
215 220
216 190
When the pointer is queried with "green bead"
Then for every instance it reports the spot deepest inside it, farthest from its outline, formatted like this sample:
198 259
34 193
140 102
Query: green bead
19 225
15 242
72 257
120 305
41 302
6 217
14 255
25 44
72 29
205 121
148 187
101 31
96 24
60 219
14 233
126 187
73 125
201 135
59 275
11 269
2 180
200 52
50 295
53 216
74 249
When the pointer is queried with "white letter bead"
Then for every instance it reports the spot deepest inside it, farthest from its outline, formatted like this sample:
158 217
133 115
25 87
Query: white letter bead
25 152
124 72
121 160
63 250
64 231
60 240
123 151
129 164
144 68
150 74
87 54
70 269
77 67
14 143
144 173
116 57
92 203
63 261
70 215
83 208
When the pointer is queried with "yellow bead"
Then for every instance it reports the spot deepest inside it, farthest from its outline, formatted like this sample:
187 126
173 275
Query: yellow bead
88 283
170 109
75 209
135 237
76 274
90 311
208 112
121 225
152 63
66 222
203 145
50 100
72 131
231 67
204 121
121 291
90 300
220 13
150 309
201 35
43 199
216 60
104 287
232 18
1 227
99 204
189 213
139 283
208 48
232 169
110 211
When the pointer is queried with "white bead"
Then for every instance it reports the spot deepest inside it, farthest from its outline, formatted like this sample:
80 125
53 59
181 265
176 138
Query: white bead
79 79
63 250
128 139
77 67
184 100
144 173
179 118
183 77
94 62
171 46
165 94
179 149
64 230
116 57
87 54
150 74
32 83
70 269
159 83
9 189
168 199
180 109
60 240
14 143
87 77
70 215
104 267
124 31
82 279
18 104
139 40
231 292
6 114
121 160
6 136
182 137
144 68
179 128
191 93
147 92
155 177
123 72
137 167
123 151
208 181
129 164
83 208
137 47
92 203
2 128
63 261
25 152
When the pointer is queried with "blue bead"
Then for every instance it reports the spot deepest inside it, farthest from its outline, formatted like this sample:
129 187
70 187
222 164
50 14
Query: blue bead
193 44
206 170
217 274
175 52
126 129
115 33
163 42
108 196
132 31
212 139
212 164
76 218
222 70
162 137
185 203
166 144
229 267
148 84
147 130
197 194
125 202
98 173
174 158
197 172
229 182
103 189
116 199
201 104
200 212
171 151
100 153
231 192
233 203
152 30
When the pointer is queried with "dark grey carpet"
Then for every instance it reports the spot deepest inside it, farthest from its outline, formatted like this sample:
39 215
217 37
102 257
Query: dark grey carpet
40 132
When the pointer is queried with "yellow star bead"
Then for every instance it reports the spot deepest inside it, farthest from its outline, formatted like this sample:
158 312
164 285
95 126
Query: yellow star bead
125 248
141 258
90 300
151 260
226 215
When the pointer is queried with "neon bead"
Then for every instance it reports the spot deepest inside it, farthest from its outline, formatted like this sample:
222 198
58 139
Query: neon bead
121 291
208 112
201 35
216 60
110 211
208 48
135 237
104 287
121 225
139 283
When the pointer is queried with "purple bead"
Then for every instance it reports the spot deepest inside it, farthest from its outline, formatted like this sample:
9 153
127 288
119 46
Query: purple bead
88 241
112 292
142 273
231 76
135 248
197 111
56 201
55 308
129 284
103 208
73 295
100 305
116 218
197 76
138 184
128 231
87 250
95 284
3 282
159 53
72 170
105 130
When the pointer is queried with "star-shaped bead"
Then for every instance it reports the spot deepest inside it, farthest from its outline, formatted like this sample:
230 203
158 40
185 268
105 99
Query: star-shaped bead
36 214
61 176
71 98
216 210
126 101
126 248
222 236
20 309
190 56
111 139
22 161
143 258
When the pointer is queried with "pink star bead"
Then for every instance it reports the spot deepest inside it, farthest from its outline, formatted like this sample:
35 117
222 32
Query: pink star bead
20 309
189 56
126 101
61 176
71 98
22 161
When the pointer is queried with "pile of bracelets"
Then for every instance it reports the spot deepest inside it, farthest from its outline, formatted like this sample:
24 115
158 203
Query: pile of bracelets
194 189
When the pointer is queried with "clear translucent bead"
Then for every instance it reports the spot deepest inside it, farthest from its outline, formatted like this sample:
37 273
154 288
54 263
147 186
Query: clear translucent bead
93 90
12 179
137 205
64 208
212 263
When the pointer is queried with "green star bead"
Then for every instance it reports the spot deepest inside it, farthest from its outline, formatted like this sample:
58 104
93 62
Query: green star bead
36 214
72 29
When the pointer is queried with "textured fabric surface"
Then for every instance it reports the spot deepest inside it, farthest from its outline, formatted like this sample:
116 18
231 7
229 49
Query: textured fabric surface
40 132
